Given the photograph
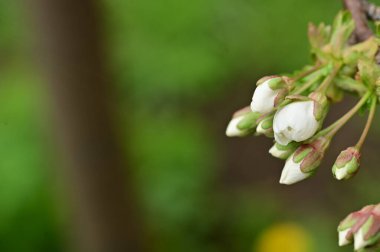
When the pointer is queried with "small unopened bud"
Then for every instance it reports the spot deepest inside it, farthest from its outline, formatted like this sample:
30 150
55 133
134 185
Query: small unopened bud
243 122
270 91
283 151
265 126
362 227
347 164
304 161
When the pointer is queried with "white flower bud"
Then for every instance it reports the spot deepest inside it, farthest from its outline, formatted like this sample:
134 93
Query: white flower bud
343 237
359 241
265 126
232 129
304 161
368 234
362 227
268 94
283 151
295 122
242 123
347 164
341 173
292 172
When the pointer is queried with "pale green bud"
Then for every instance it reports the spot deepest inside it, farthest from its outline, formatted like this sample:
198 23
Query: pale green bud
265 126
304 161
347 163
243 123
283 151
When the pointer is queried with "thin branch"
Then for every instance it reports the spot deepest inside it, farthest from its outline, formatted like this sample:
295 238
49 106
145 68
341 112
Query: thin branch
372 10
357 9
368 124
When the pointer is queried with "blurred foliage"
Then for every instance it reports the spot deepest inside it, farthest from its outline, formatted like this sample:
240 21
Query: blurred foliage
288 237
170 58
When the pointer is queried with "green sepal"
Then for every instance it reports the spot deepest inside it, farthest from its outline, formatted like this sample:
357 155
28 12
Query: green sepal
373 240
276 83
266 78
347 223
366 227
249 121
353 166
321 105
312 161
371 230
265 126
267 123
290 146
287 150
299 156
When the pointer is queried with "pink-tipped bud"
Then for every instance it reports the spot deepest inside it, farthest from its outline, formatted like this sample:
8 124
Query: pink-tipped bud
361 227
304 161
347 164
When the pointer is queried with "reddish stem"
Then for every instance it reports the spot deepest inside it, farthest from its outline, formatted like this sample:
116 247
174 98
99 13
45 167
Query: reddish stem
362 30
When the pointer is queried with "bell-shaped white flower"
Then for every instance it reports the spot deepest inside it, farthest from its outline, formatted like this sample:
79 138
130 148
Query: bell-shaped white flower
268 94
295 122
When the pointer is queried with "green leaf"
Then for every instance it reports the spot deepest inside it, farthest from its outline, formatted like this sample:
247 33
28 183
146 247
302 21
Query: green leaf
343 27
350 85
249 121
369 71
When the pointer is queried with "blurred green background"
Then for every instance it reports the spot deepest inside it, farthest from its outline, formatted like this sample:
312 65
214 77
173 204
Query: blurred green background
184 67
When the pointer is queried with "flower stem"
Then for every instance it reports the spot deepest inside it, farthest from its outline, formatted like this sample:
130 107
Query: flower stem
325 84
335 127
306 86
368 123
307 72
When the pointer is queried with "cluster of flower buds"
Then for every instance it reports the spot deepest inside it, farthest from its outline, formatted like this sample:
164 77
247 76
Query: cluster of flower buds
361 227
292 108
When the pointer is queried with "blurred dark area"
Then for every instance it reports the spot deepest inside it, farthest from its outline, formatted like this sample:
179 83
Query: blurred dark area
112 129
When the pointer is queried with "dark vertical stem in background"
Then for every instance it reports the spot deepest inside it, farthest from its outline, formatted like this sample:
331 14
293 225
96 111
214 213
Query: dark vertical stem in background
70 49
362 30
